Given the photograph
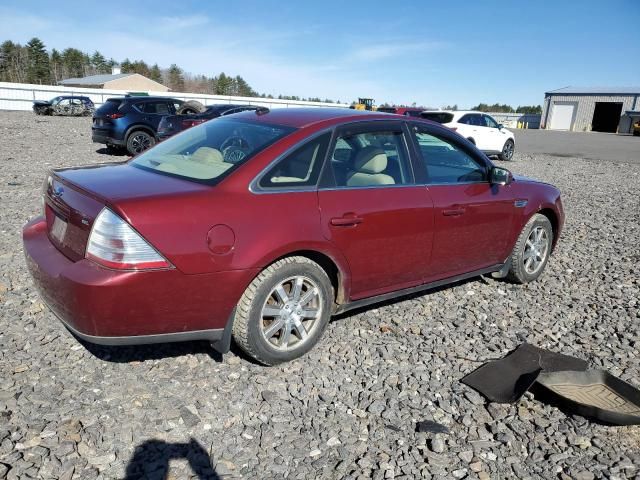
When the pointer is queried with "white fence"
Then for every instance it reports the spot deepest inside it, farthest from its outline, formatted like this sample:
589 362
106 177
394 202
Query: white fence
20 96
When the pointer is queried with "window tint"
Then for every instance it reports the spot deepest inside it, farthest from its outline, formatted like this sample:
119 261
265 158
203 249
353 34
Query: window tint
446 162
489 122
159 108
300 168
370 159
440 117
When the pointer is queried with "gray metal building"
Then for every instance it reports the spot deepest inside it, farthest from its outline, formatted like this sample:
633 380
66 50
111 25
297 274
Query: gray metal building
598 109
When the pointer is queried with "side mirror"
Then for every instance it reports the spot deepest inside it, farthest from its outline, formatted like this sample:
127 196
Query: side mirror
500 176
500 126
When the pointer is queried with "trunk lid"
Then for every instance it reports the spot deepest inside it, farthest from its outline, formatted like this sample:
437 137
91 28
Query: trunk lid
74 197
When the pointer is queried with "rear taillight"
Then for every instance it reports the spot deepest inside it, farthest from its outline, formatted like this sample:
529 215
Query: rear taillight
191 123
114 116
114 244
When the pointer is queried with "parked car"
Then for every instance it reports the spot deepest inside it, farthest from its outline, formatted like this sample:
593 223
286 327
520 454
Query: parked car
479 128
172 124
408 111
131 122
64 105
262 225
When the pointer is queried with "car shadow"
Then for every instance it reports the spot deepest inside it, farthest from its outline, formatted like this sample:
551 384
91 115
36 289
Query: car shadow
151 460
113 152
156 351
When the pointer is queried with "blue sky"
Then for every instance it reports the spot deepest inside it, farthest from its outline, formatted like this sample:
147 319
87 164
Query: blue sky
431 53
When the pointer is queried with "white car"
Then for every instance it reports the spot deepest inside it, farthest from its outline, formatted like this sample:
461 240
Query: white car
479 128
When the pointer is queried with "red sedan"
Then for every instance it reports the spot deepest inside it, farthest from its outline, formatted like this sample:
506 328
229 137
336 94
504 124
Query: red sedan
263 225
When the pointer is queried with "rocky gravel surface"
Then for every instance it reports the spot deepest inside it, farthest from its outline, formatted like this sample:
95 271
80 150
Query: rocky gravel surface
349 408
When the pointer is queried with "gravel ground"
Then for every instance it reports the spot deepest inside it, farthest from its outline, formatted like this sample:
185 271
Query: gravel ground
348 409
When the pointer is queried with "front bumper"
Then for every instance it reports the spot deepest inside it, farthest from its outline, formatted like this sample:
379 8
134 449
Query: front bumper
122 307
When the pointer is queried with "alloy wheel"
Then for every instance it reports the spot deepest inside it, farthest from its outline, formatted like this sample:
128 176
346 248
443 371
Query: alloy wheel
536 250
140 142
291 313
507 150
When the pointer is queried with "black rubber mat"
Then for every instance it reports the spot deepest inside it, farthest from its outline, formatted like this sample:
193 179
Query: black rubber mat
596 394
561 380
506 380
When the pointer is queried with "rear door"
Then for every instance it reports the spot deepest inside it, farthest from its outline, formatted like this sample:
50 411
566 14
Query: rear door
472 217
372 209
154 110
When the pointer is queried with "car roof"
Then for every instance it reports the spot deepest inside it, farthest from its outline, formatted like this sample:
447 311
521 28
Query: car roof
144 98
304 117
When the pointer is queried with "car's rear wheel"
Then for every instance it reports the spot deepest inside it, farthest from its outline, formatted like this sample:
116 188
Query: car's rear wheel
139 141
507 150
284 311
532 250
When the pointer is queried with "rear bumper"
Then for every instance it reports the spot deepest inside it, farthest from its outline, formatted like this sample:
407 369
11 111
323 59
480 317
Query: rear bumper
121 307
103 136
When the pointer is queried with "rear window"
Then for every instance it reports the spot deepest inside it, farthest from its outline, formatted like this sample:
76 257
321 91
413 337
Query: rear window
210 151
440 117
110 106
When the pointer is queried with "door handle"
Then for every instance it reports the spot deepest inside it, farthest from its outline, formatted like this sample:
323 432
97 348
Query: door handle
453 212
347 220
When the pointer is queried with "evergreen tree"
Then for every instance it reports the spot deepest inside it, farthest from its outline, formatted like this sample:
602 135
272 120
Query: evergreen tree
175 78
223 84
38 66
99 63
155 74
73 61
126 66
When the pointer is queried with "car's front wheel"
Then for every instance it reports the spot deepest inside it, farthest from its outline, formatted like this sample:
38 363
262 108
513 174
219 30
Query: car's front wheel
139 141
532 250
284 311
507 150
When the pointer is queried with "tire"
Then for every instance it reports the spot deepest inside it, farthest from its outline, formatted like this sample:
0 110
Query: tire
507 151
530 256
190 107
138 141
262 307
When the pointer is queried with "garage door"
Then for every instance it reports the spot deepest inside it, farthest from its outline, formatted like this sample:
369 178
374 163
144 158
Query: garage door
561 116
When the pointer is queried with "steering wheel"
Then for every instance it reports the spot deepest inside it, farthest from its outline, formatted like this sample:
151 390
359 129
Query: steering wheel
234 149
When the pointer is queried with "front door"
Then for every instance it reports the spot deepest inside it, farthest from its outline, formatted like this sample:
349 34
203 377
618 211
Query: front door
472 217
373 211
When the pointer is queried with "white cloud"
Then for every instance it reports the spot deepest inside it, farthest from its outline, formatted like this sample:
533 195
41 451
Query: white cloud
369 53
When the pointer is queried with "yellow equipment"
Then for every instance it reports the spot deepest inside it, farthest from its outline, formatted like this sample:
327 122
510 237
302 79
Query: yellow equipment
364 104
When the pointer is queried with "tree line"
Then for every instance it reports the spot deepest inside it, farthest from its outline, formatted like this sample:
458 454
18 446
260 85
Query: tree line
32 63
497 108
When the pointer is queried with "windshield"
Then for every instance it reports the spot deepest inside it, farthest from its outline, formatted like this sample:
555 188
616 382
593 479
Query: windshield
210 151
55 100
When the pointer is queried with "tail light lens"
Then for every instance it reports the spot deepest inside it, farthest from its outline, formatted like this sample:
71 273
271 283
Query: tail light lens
114 244
116 115
191 123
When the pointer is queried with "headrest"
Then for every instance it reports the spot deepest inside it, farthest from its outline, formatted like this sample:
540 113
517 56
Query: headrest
207 155
370 160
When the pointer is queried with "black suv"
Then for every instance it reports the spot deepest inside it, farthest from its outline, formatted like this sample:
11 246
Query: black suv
131 122
172 124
